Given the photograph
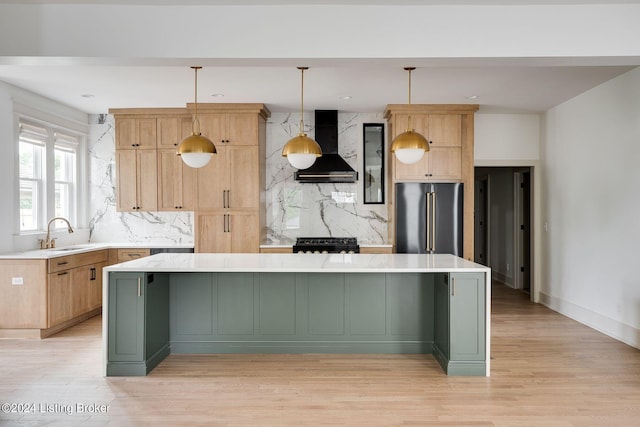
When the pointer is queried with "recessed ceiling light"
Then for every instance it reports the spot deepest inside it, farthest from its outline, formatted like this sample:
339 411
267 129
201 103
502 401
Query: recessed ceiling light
472 97
88 95
346 97
217 95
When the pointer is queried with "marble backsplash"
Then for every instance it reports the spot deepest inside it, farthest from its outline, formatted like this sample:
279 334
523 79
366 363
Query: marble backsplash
319 210
105 223
293 209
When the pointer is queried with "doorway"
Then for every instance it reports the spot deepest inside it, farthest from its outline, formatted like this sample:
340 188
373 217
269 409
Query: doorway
503 224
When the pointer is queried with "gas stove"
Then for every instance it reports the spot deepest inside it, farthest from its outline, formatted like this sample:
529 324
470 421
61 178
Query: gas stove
326 245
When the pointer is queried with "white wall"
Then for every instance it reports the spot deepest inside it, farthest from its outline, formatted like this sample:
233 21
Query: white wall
7 164
500 137
591 155
389 31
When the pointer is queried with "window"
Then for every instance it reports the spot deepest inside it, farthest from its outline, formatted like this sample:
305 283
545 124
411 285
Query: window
65 175
31 152
48 175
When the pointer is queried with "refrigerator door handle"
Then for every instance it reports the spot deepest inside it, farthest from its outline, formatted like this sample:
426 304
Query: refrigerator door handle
433 221
428 221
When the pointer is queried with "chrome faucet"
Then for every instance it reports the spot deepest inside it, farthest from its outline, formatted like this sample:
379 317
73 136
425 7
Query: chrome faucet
50 243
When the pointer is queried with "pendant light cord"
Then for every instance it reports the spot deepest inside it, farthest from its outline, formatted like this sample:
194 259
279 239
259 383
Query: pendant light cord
302 99
196 121
409 69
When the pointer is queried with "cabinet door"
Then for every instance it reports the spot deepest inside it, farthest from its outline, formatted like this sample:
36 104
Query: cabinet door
211 232
444 163
60 297
169 132
242 129
126 180
244 188
81 282
214 127
213 182
445 130
175 182
136 180
467 316
95 286
132 133
147 180
126 317
244 229
416 171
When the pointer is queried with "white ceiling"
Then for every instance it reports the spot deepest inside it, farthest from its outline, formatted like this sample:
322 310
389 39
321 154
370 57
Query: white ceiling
94 85
370 86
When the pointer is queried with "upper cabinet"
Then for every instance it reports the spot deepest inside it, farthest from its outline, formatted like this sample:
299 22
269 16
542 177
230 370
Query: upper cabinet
442 162
136 133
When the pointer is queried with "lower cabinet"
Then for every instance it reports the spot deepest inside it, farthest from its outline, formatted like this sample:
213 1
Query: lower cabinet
228 232
459 336
75 286
138 322
60 300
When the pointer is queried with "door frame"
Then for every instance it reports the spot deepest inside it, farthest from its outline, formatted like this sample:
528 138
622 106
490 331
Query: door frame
536 215
518 221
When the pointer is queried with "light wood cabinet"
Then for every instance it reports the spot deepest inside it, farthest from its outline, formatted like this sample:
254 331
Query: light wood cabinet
118 255
230 180
443 161
75 283
60 298
176 182
234 127
136 133
227 232
172 129
449 130
229 215
136 180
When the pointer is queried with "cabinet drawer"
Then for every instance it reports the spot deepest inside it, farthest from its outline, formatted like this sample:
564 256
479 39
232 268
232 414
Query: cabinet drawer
129 254
60 263
93 257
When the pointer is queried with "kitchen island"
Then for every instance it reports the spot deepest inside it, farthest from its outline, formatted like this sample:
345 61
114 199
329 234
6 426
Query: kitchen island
301 303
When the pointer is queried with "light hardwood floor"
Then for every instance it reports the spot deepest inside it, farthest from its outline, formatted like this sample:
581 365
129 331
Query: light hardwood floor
547 370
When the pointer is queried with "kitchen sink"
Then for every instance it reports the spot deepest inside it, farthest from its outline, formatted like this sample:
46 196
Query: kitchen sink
68 248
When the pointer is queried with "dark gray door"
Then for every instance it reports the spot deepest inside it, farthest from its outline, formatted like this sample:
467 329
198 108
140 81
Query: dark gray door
446 218
411 221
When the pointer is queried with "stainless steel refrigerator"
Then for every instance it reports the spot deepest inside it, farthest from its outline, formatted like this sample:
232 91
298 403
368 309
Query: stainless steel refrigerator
429 218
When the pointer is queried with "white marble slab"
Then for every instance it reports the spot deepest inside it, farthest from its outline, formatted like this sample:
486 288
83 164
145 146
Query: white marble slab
299 263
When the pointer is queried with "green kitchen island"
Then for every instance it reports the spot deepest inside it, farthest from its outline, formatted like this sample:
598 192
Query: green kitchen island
296 303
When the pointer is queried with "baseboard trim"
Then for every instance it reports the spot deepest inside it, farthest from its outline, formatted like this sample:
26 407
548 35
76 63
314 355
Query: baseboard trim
301 347
608 326
34 333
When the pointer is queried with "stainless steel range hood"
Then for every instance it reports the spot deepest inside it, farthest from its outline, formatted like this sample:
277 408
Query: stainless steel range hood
330 167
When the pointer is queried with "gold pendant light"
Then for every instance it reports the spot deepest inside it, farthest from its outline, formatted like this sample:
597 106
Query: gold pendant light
301 151
409 146
196 150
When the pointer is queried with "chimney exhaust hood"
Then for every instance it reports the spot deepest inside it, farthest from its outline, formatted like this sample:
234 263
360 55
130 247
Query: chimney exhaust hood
330 167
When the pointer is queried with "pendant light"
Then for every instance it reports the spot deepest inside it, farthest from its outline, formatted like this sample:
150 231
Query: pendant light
409 146
301 151
196 150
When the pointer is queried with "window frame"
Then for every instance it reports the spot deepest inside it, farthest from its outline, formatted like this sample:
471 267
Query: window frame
65 137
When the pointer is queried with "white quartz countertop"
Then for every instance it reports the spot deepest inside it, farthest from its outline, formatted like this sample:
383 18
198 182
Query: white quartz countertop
80 248
310 263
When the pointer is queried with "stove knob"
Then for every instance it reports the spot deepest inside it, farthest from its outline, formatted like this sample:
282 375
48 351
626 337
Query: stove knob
343 252
325 252
316 252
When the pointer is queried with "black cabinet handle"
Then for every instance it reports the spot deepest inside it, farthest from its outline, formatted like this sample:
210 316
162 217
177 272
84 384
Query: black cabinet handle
63 273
